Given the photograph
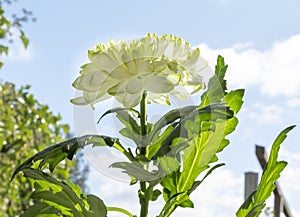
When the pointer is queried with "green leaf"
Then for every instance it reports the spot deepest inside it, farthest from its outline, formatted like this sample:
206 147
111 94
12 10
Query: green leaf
256 201
24 39
137 170
209 113
234 99
160 144
169 118
174 201
3 33
3 49
170 162
116 110
216 86
96 205
129 133
230 126
198 155
157 142
256 210
132 129
155 195
41 210
67 149
187 203
63 196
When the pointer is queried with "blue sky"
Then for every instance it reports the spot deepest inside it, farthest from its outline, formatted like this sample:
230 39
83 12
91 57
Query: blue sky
259 39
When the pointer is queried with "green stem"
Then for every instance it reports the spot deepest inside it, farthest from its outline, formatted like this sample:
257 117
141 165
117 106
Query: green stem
143 122
144 191
145 199
121 210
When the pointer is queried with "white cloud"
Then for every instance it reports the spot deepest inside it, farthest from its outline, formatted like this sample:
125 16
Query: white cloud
294 102
276 71
266 113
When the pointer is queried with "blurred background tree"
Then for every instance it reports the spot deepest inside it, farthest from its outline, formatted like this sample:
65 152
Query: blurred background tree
26 126
11 27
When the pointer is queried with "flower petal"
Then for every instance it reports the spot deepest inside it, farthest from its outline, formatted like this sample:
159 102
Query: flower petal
195 79
129 100
191 59
158 84
192 89
130 63
145 67
104 61
79 101
89 67
162 99
135 85
119 88
199 66
90 80
121 72
180 92
93 97
159 65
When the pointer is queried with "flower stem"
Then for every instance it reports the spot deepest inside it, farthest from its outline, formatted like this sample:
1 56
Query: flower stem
144 193
143 122
144 200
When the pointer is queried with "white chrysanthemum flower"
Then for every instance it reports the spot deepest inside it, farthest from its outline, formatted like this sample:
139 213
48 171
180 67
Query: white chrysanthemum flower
161 66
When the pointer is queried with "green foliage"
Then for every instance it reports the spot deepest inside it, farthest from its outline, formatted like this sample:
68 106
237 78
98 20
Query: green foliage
204 143
9 25
64 150
63 197
255 203
216 86
171 152
128 117
26 127
24 39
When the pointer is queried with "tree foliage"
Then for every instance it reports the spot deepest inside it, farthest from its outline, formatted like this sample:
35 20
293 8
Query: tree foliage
26 127
12 27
